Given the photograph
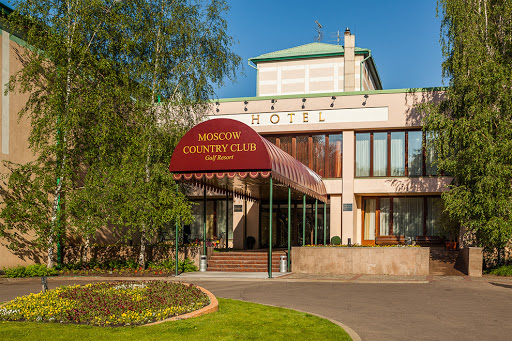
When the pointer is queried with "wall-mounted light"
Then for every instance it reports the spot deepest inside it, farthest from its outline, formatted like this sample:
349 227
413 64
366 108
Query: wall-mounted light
333 99
273 101
303 103
217 104
245 102
365 99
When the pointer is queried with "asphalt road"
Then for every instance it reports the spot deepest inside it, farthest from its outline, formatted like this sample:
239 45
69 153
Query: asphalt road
440 310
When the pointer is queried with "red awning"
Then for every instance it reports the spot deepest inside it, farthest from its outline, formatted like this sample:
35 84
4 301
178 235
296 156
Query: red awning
229 155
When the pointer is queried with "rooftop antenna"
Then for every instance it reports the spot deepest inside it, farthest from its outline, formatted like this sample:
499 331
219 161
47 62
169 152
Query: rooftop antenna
320 35
337 36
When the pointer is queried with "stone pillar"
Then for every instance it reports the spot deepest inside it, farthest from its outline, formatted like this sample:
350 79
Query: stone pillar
349 63
335 219
348 216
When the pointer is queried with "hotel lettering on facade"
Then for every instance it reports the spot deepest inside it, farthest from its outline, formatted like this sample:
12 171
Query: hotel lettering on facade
324 105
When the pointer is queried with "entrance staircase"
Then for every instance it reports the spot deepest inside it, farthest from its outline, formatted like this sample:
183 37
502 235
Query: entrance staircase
244 261
444 262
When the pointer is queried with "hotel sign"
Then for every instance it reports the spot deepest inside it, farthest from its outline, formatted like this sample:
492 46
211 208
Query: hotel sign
309 117
220 145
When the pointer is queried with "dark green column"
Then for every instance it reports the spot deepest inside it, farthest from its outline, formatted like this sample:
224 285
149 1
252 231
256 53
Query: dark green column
245 224
204 221
304 220
176 248
289 226
316 221
325 223
270 230
227 219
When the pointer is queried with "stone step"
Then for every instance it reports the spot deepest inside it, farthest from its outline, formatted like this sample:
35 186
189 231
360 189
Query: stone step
229 258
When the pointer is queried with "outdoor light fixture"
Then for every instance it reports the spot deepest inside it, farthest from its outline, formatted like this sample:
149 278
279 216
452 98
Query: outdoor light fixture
365 99
245 102
273 101
333 99
303 103
217 104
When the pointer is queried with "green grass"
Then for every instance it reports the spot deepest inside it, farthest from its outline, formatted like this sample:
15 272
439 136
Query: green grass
235 320
504 270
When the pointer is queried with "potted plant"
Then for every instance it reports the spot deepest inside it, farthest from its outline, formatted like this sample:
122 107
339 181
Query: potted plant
449 231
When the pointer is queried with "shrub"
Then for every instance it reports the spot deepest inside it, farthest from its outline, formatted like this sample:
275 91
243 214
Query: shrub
336 240
504 270
34 270
186 265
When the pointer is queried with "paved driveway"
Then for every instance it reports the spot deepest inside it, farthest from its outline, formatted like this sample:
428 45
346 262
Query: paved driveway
440 310
444 309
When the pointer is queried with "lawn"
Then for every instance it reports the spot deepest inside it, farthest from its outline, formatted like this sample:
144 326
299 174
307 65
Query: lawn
235 320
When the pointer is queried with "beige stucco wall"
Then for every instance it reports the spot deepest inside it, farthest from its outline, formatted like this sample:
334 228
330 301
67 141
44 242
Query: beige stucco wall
16 131
402 113
404 261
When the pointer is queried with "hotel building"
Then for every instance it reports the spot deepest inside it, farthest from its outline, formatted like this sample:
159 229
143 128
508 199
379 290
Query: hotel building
324 105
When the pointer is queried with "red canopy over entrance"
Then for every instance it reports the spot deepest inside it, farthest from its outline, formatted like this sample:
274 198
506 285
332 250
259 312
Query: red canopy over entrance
229 155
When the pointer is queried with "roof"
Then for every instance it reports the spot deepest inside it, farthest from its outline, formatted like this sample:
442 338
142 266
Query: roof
317 50
228 155
306 51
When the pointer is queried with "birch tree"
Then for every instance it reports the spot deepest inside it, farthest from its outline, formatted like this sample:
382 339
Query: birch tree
113 86
474 123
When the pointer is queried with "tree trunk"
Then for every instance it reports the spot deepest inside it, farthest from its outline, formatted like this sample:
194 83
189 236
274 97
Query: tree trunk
142 252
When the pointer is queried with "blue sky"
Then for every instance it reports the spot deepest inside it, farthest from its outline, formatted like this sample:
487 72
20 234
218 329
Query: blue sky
403 36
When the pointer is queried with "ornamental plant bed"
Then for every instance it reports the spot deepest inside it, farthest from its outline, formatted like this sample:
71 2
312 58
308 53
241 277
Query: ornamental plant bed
119 303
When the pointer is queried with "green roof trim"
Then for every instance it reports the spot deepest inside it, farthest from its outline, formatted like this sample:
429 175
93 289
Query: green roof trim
329 94
312 50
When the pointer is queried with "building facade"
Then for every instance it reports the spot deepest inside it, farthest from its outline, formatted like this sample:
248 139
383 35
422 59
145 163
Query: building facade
324 105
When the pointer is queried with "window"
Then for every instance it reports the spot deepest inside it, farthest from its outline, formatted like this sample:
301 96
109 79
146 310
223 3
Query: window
380 154
363 154
397 153
415 151
405 217
322 153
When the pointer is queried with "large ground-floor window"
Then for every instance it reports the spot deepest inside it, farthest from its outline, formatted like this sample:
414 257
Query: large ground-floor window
215 221
399 218
280 224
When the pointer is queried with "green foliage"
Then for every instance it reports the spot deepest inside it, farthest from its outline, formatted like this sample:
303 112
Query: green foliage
504 270
336 240
186 265
473 124
34 270
113 86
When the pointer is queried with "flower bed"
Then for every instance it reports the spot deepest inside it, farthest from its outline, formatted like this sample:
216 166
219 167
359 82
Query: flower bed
107 304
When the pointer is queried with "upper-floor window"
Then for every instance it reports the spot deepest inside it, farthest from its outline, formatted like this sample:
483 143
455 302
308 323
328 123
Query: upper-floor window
397 153
321 152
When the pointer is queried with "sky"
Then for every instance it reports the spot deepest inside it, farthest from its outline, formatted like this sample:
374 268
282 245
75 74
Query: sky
402 34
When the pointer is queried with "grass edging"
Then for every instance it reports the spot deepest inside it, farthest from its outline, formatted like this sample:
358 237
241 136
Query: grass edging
211 308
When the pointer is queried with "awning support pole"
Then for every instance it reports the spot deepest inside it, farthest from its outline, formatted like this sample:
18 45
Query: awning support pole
325 223
204 221
227 219
289 227
245 224
176 248
316 221
270 230
304 220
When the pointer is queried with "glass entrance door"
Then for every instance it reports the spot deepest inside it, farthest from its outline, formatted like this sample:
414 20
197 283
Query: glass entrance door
370 221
